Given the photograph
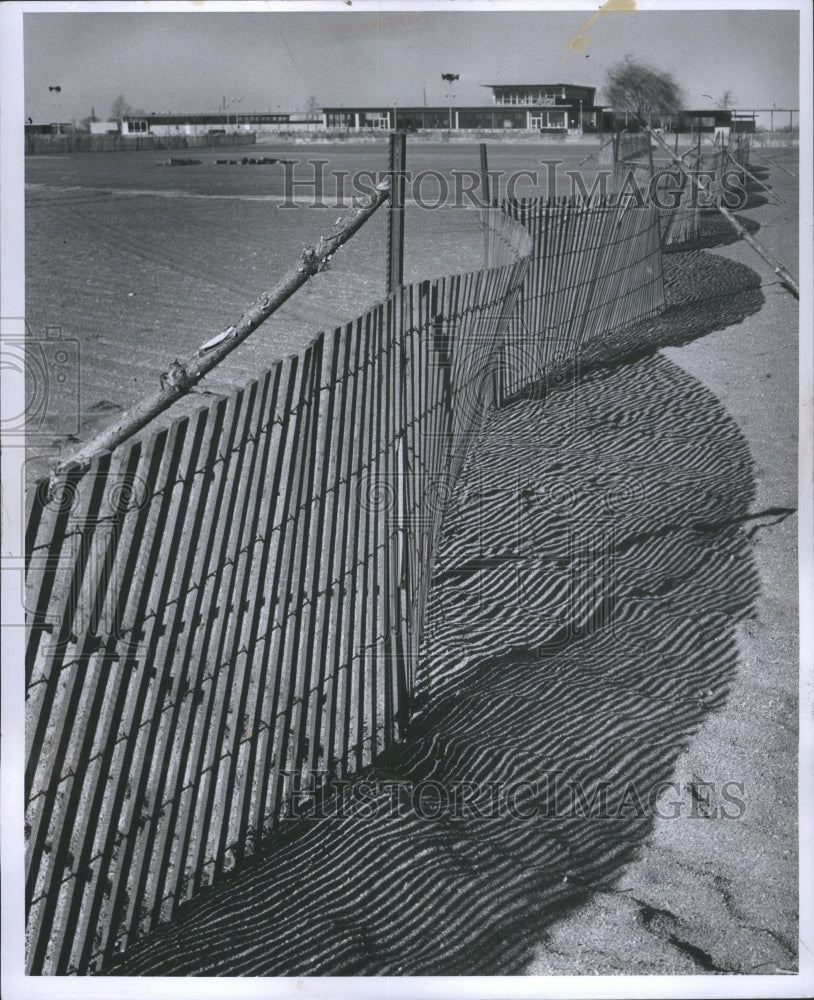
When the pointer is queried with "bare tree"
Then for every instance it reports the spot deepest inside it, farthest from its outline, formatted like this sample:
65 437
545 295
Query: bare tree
642 91
119 108
727 100
312 106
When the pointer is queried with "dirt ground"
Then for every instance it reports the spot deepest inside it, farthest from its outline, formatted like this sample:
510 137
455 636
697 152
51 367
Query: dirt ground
721 895
133 263
137 264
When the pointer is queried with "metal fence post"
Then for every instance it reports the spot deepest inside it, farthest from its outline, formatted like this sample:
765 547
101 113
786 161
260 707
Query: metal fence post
395 215
486 200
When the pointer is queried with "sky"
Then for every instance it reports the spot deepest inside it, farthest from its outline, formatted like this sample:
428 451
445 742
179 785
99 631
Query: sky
261 61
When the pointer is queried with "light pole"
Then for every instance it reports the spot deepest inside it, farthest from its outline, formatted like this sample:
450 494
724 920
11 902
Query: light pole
580 115
395 117
235 100
449 78
450 98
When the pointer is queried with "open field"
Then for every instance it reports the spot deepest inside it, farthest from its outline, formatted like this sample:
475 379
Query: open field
139 262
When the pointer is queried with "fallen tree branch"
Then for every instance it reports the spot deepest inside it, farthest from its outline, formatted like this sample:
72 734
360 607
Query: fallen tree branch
779 269
774 163
751 176
181 378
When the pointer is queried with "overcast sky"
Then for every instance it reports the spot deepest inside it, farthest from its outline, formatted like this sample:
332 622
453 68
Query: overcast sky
264 61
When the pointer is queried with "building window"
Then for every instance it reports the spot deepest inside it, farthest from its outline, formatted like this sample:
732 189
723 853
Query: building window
476 119
339 119
377 119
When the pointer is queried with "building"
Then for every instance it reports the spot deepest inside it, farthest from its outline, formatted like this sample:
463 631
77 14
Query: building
706 120
104 128
539 107
744 121
218 122
49 128
549 105
694 121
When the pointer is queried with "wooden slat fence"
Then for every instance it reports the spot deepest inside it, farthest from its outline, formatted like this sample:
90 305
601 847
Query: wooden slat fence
625 146
227 614
596 267
633 164
739 145
679 208
681 221
680 218
712 161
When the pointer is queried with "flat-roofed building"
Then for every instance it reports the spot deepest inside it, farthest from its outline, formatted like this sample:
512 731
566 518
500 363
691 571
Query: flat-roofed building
537 107
216 122
550 105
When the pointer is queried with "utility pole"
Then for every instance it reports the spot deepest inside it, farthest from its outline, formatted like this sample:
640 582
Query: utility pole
450 77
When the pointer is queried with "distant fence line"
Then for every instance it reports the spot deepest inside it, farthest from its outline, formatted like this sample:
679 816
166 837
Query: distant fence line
739 146
613 148
776 140
681 223
679 208
83 142
240 598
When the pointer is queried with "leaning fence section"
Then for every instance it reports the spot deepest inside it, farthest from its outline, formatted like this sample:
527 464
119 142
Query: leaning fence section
739 147
708 164
625 146
227 614
679 202
595 268
679 207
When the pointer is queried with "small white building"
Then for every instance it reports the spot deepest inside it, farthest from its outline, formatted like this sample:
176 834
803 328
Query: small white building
104 128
